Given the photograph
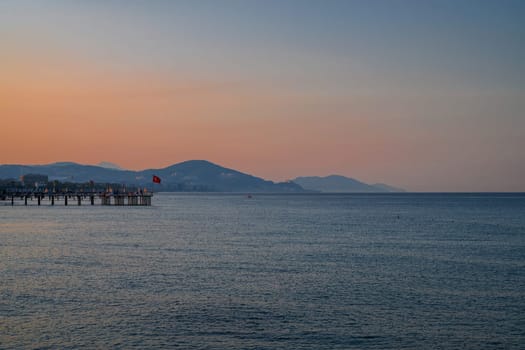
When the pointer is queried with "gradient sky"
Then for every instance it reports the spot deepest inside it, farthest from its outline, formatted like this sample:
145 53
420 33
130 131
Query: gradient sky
424 95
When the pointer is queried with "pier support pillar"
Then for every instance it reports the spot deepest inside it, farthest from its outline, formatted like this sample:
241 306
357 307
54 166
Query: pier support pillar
79 199
25 200
38 199
65 200
52 200
92 198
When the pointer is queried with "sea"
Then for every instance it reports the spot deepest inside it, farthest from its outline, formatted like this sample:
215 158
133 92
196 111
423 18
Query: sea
231 271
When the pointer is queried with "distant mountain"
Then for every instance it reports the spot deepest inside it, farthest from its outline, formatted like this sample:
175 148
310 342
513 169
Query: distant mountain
109 165
68 171
193 175
201 175
338 183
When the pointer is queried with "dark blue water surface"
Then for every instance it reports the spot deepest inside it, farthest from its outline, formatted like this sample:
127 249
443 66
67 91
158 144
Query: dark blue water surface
414 271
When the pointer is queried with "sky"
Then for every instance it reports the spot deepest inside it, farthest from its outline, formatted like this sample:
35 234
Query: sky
423 95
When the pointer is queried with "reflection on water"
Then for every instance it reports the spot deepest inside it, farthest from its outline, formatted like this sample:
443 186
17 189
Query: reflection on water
270 272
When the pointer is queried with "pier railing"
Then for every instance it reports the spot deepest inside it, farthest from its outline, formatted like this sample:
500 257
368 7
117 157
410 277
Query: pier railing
20 197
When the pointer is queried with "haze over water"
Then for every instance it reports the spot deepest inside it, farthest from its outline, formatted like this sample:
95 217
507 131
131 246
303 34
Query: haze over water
271 272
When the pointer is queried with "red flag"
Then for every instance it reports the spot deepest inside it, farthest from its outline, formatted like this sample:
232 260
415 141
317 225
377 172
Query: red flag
156 179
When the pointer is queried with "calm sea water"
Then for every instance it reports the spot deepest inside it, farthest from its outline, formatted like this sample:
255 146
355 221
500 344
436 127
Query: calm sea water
270 272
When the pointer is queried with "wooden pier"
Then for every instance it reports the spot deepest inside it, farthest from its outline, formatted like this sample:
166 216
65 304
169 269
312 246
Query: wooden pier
76 198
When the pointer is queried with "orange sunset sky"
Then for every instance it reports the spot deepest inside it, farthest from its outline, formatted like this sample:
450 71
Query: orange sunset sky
428 97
